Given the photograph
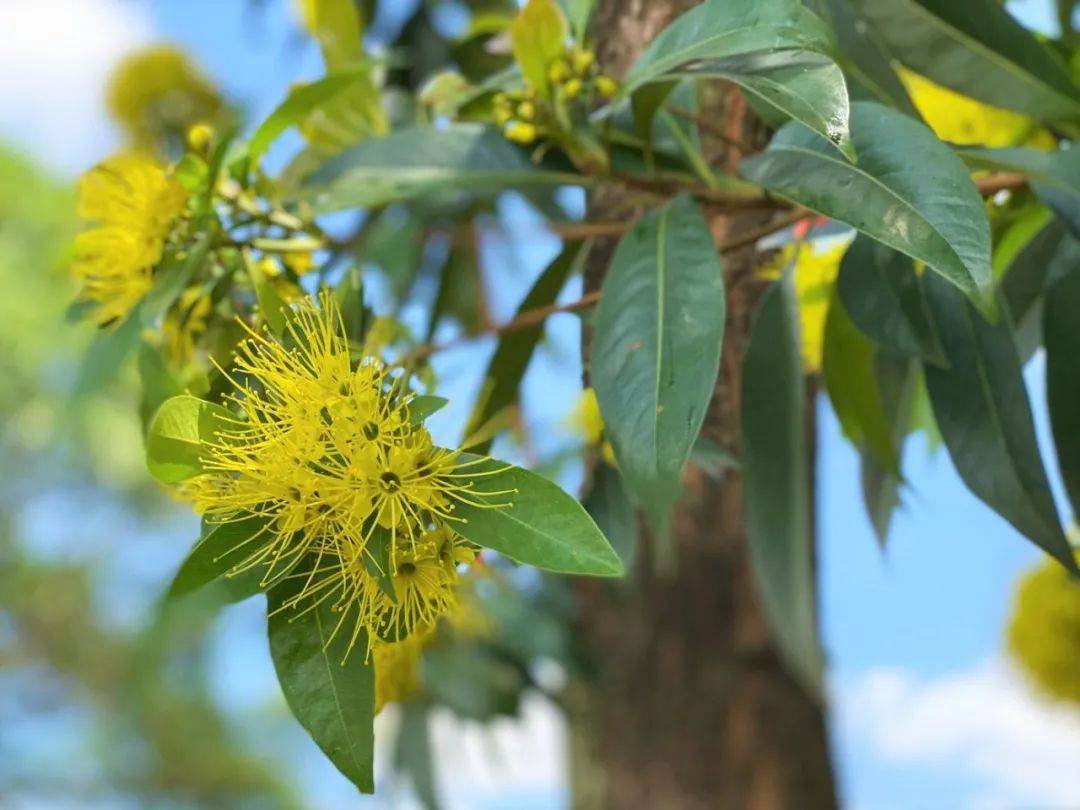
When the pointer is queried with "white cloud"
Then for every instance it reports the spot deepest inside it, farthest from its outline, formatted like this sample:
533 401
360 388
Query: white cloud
983 724
54 57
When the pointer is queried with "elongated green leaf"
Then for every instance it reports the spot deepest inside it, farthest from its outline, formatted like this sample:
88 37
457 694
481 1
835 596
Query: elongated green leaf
515 349
975 47
412 753
177 433
542 526
330 691
1061 335
416 162
424 405
655 354
880 291
609 504
214 557
106 354
299 104
864 57
908 191
895 381
776 473
578 13
171 279
778 51
848 368
983 412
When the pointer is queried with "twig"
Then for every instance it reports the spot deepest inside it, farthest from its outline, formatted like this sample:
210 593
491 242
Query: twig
1005 181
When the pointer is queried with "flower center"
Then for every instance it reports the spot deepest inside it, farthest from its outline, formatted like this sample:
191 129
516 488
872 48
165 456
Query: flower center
370 431
390 482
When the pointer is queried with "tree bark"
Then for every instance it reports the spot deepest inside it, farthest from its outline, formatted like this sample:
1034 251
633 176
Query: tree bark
687 703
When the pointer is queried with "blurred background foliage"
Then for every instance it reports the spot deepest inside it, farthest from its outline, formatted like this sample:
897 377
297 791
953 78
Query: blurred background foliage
120 693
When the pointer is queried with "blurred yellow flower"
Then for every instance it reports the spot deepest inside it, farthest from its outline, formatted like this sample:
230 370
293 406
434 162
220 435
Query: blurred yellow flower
397 668
816 268
1044 632
133 203
157 95
962 120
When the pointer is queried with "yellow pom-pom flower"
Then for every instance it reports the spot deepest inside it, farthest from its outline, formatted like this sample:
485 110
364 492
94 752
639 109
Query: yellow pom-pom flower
324 450
397 669
134 204
1044 632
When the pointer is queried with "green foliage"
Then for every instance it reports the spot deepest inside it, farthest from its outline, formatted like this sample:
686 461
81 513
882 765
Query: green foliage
983 412
776 470
1061 334
908 191
777 51
976 47
331 693
176 435
656 352
412 163
214 557
542 526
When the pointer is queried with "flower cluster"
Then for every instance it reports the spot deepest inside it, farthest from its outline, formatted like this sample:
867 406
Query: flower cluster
133 203
526 115
324 449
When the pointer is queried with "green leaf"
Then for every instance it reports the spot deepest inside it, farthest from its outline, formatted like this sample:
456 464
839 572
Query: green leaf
412 753
424 405
355 316
655 352
777 51
579 13
224 547
848 369
177 433
865 57
983 412
776 468
609 504
299 104
895 382
330 690
977 48
419 162
515 349
171 279
538 35
106 354
881 293
272 307
908 191
1061 336
542 526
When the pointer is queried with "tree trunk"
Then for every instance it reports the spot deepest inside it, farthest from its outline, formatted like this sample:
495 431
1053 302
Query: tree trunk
687 704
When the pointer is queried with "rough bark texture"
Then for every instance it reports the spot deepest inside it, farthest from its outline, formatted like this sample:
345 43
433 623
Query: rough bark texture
689 705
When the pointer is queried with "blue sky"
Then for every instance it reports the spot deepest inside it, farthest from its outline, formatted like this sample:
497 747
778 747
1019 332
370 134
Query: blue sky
927 713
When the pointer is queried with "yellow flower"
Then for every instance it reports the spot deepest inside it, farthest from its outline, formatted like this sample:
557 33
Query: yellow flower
299 261
816 269
322 447
572 88
606 86
157 95
134 203
397 668
520 132
962 120
1044 632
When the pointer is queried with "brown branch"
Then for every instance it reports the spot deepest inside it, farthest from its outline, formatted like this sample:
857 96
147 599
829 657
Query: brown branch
1005 181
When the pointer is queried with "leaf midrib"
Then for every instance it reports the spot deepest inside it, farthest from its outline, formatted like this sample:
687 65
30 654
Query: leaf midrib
888 190
358 761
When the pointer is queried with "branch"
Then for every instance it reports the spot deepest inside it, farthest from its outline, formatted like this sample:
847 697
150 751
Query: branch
1005 181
